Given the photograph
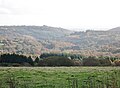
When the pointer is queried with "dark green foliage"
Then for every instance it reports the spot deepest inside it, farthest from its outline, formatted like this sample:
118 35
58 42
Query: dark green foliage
91 61
72 56
117 62
77 63
15 58
56 61
37 60
45 55
104 62
29 60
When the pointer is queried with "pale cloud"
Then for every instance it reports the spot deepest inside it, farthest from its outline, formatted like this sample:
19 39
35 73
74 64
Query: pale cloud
62 13
5 11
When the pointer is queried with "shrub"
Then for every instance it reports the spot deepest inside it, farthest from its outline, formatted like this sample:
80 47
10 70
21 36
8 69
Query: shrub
15 58
77 63
117 62
91 61
56 61
104 62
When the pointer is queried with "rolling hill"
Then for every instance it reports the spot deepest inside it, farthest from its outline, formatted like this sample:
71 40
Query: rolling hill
38 39
117 29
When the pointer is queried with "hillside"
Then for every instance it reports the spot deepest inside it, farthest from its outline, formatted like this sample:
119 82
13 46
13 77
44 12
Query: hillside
117 29
38 39
30 39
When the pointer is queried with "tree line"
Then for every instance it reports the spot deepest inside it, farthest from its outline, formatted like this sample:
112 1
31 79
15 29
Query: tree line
57 59
15 60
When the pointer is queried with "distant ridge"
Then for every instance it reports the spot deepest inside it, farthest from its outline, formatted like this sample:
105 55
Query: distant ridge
38 39
117 29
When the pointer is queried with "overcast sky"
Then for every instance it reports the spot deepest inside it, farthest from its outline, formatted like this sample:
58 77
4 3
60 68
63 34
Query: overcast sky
61 13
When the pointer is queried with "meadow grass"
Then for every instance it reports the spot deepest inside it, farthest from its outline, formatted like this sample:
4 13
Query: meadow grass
59 77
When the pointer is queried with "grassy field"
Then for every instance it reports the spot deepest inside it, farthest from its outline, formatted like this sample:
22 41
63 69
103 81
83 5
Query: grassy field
59 77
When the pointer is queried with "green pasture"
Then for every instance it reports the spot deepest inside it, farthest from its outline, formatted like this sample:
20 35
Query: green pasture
59 77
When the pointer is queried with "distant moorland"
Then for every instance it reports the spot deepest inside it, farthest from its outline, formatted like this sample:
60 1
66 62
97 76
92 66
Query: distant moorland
34 40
